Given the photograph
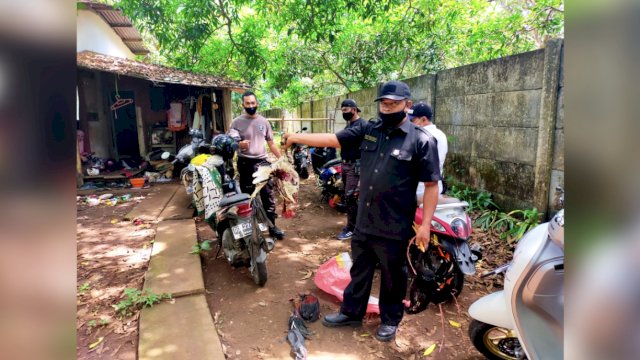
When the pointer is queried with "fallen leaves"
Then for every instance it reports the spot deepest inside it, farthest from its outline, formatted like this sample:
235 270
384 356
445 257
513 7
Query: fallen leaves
429 350
96 343
307 274
454 324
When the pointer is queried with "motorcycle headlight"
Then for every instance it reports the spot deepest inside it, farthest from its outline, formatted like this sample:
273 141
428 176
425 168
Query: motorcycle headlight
460 228
437 226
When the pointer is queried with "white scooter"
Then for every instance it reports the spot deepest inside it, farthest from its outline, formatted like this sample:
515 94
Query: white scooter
526 319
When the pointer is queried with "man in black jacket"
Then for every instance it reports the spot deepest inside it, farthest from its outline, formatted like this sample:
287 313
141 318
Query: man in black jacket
395 155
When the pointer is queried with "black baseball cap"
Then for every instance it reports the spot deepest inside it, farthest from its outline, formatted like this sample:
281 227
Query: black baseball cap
420 109
394 90
350 103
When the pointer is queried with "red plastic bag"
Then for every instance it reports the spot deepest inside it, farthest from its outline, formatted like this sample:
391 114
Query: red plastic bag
333 277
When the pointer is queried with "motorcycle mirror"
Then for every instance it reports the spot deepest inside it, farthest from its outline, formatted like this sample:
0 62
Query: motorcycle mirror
304 128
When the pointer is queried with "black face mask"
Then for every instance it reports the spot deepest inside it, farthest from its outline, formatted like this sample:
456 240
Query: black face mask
393 119
347 116
251 110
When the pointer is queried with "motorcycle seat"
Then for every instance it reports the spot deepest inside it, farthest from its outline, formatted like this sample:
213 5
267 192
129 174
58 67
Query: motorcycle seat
234 199
447 200
332 163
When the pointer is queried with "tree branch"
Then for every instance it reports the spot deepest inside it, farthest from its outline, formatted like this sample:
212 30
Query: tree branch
233 41
326 62
404 62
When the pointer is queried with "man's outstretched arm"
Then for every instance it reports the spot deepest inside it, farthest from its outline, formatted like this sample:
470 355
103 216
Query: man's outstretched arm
319 140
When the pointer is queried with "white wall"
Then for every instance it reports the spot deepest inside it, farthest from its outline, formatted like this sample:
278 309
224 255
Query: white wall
94 34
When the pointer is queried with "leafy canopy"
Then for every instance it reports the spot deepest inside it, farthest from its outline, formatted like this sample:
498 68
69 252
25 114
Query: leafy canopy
294 50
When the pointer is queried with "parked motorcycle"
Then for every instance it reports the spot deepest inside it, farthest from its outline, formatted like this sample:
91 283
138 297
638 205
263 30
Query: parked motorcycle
439 270
189 151
240 223
525 320
331 186
320 156
301 158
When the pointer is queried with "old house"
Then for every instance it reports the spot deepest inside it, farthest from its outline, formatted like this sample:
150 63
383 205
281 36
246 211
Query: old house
127 107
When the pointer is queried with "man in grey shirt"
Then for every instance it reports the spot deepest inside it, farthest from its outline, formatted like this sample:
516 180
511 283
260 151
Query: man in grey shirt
252 130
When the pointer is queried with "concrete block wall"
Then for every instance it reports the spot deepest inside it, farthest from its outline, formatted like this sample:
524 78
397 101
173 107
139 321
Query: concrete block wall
504 119
490 111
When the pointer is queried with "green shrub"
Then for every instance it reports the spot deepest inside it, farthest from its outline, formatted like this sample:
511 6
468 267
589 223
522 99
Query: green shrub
135 300
512 225
200 247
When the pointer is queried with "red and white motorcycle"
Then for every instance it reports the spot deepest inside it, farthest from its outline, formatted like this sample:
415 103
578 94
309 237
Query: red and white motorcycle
439 270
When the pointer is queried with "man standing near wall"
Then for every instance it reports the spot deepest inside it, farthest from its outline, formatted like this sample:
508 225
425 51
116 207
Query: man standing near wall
251 130
395 156
421 115
350 153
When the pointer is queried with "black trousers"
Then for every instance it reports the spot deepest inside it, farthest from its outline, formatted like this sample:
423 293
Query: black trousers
351 179
246 168
367 251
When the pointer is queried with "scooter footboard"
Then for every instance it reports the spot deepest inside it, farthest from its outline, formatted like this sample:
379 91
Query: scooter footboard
492 309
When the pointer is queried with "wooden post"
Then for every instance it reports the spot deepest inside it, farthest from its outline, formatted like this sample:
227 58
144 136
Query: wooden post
142 145
227 114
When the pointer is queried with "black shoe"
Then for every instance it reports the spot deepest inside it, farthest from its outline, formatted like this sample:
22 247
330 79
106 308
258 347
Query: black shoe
339 319
386 332
276 232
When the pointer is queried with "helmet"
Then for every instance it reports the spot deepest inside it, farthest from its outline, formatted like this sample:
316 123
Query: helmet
224 145
196 133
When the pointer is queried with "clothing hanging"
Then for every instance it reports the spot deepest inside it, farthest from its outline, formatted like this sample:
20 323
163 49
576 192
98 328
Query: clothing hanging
197 116
175 119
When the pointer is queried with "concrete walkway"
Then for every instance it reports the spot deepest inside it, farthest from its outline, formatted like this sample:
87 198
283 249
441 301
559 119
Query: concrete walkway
154 204
181 328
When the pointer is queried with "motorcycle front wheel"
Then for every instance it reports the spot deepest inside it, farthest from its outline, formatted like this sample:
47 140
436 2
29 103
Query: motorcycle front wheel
259 273
495 342
259 262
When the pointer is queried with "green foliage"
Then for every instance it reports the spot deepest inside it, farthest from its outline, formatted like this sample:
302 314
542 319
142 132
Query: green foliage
84 288
135 300
295 50
486 219
91 324
483 201
526 220
200 247
478 200
512 225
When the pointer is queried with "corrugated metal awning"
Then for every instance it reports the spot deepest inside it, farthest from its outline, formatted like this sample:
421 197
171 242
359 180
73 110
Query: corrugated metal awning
120 24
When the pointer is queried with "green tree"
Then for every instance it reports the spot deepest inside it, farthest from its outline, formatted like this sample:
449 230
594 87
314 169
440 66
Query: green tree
294 50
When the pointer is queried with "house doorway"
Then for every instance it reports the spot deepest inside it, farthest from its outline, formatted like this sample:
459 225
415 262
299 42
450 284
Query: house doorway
124 127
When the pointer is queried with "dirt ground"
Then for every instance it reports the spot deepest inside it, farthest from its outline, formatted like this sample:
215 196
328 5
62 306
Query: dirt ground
112 255
252 321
